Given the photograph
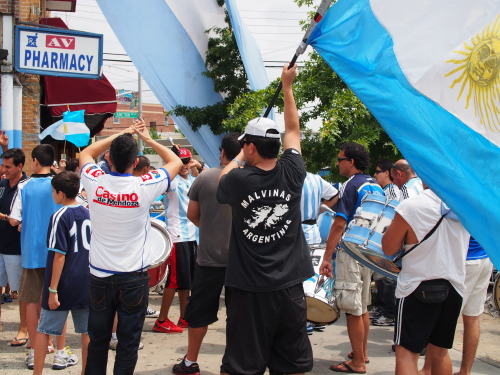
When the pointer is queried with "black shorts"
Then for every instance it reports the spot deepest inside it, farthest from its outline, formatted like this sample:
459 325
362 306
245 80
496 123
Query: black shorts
203 304
267 329
181 265
418 324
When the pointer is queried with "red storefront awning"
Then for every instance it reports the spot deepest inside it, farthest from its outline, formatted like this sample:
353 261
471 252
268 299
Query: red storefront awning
96 96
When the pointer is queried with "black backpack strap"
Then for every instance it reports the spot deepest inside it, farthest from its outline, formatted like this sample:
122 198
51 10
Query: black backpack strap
403 254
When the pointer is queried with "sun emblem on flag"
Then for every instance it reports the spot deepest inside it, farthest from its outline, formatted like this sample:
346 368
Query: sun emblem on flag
480 75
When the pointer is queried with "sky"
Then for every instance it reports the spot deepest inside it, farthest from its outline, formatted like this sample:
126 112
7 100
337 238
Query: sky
274 24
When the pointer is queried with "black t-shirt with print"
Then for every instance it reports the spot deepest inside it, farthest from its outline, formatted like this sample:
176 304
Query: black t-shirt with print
267 250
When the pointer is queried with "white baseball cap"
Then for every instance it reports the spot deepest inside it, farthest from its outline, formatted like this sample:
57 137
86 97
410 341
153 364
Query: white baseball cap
261 127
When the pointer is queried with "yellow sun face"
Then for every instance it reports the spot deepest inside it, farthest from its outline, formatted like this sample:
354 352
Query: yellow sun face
480 75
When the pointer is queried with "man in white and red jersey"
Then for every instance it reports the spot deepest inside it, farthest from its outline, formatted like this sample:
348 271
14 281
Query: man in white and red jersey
120 250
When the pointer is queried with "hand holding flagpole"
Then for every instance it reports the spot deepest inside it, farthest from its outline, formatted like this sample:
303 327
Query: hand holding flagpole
323 7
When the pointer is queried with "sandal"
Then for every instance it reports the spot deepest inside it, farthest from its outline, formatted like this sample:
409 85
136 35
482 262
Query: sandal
351 356
344 367
19 341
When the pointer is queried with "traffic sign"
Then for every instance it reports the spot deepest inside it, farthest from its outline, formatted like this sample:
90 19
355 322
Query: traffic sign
126 114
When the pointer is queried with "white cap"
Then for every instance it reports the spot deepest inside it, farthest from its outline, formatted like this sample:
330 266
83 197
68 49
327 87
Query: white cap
261 127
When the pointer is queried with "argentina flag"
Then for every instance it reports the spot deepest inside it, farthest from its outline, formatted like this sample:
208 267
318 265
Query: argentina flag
429 71
167 42
71 128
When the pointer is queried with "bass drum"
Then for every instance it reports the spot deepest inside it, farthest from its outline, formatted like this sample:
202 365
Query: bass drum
161 245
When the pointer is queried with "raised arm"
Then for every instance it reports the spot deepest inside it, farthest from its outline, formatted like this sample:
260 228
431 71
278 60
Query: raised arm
292 129
95 149
172 162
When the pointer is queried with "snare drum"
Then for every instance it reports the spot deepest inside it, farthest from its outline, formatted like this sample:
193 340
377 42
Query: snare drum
321 306
161 245
363 238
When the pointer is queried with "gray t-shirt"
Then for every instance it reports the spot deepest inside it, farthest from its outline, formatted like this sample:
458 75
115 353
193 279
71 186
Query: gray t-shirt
215 220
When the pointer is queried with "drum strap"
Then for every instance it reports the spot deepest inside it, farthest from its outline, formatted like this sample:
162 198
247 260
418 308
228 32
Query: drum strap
402 255
309 222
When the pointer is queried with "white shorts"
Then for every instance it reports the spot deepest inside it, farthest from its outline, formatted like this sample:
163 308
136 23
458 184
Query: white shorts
10 271
352 284
477 278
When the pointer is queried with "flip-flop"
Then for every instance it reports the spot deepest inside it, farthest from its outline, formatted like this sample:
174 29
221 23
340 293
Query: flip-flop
351 356
344 367
19 341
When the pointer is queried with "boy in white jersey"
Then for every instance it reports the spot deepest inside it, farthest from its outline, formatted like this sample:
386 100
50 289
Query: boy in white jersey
120 249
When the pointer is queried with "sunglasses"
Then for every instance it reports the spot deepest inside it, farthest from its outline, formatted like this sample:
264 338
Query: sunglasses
243 142
377 171
186 161
342 159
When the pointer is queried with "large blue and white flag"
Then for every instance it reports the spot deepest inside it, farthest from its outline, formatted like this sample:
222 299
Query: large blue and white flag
429 71
167 42
71 128
249 50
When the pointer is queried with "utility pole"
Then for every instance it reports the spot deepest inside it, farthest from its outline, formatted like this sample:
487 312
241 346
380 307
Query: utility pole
139 109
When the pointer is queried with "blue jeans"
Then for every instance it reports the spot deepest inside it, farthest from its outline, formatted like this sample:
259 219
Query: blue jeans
127 295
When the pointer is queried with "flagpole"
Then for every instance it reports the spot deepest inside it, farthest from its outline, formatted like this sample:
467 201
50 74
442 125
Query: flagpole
323 7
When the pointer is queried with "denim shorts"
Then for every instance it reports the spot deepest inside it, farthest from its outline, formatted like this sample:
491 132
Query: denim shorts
10 271
52 321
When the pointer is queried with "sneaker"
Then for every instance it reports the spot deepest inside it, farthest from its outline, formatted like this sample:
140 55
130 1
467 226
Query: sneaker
181 368
67 358
30 359
383 321
375 313
114 343
309 328
318 327
6 297
182 323
167 327
150 313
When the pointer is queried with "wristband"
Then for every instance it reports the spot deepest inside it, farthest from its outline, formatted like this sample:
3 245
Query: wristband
238 162
52 290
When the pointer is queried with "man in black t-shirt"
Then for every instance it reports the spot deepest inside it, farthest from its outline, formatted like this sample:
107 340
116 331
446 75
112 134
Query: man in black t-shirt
268 254
10 246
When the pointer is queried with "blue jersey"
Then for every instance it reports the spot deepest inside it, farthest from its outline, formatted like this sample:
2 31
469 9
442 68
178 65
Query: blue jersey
353 191
69 234
33 206
475 251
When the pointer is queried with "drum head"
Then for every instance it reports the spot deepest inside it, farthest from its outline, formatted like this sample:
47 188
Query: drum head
371 259
496 293
320 312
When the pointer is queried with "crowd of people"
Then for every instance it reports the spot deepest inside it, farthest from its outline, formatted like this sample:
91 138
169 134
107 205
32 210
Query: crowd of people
76 238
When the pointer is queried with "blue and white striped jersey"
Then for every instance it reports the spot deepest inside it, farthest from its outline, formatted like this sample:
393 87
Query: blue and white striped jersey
391 191
176 203
411 188
314 190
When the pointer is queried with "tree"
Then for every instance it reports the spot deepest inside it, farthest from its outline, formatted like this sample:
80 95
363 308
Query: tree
319 92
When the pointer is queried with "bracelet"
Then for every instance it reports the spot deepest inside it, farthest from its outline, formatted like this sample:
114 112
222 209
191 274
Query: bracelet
238 162
52 290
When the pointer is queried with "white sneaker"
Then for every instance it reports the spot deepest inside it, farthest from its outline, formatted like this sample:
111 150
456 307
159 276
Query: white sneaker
30 359
67 358
114 343
150 313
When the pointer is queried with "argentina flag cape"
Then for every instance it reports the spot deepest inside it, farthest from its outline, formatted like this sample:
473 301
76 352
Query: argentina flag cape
429 71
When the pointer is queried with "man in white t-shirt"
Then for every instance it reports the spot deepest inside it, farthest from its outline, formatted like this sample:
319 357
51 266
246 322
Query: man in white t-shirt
438 263
120 251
